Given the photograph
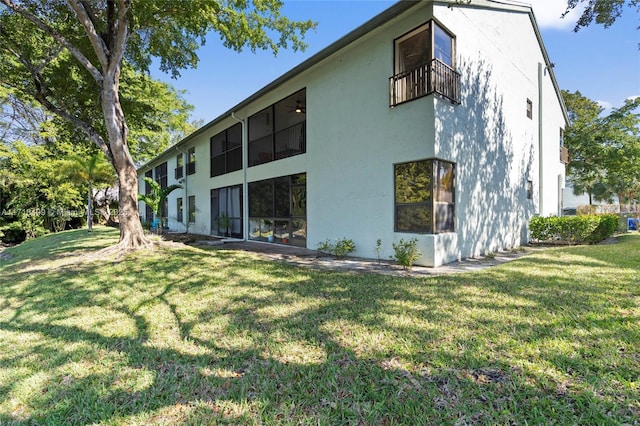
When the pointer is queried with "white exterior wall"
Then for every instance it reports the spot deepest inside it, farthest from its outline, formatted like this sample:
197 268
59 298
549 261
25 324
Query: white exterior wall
489 136
354 139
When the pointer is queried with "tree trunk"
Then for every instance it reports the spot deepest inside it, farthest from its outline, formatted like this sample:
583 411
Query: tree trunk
131 232
89 212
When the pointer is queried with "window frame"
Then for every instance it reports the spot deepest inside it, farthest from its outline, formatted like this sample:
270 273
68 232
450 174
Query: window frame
191 209
433 77
432 202
227 190
226 153
179 210
179 171
272 218
191 160
270 142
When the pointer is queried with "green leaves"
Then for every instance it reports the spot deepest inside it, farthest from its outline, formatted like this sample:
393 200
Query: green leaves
604 150
155 198
574 229
604 12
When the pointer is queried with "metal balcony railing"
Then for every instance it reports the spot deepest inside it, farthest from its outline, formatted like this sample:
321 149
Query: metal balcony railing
564 155
432 77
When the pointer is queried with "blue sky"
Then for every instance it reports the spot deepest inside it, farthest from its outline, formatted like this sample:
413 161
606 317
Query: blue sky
604 64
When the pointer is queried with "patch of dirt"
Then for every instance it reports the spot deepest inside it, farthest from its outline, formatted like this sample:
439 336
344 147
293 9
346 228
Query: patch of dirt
187 238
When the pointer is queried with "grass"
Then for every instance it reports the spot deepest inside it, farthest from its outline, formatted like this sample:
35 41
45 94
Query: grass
192 336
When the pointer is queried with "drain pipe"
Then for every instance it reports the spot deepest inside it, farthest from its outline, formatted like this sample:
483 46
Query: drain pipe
186 196
245 185
541 71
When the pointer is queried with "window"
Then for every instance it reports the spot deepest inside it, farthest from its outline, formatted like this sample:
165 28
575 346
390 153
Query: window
278 210
161 174
191 201
148 214
161 178
191 161
425 196
179 173
529 109
278 131
564 152
226 211
424 64
179 210
226 151
529 190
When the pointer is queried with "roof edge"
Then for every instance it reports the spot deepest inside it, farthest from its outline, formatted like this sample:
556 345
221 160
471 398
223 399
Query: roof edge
383 17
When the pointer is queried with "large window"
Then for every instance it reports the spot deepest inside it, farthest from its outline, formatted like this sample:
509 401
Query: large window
424 196
278 210
424 64
226 211
279 131
191 161
226 151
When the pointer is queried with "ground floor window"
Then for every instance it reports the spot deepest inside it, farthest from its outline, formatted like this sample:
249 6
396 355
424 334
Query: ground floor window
424 196
226 211
179 210
278 210
191 201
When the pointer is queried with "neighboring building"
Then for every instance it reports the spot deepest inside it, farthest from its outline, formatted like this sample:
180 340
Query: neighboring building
434 120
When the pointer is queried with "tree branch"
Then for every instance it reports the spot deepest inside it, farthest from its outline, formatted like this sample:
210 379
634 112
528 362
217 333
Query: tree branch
98 44
94 136
121 33
84 61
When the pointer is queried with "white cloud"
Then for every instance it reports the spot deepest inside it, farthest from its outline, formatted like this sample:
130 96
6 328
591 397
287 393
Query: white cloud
632 98
549 14
604 104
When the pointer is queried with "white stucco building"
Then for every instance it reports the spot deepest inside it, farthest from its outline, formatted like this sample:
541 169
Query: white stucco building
433 120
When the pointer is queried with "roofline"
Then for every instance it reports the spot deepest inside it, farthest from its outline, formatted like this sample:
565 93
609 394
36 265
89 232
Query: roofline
390 13
395 10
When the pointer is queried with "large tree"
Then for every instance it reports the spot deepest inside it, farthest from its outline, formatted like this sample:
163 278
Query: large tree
60 49
604 149
604 12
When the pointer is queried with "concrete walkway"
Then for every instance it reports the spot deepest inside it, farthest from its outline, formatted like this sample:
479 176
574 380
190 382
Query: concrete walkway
313 259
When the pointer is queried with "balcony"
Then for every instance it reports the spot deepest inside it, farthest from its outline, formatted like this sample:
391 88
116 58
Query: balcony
564 155
432 77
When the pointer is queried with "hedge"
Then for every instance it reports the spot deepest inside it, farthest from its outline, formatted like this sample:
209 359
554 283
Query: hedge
589 229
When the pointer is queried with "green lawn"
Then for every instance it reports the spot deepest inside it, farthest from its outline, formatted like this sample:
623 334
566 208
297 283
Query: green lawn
192 336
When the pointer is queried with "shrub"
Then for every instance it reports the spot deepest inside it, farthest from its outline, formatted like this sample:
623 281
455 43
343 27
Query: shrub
339 249
378 248
406 252
573 229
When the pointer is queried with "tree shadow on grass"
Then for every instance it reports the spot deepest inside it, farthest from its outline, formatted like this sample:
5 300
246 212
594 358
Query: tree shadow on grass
217 337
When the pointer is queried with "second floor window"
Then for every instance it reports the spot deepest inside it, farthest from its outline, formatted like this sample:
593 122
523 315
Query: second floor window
279 131
179 166
226 151
191 161
424 64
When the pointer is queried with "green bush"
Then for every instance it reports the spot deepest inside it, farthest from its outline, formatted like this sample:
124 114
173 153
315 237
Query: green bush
406 252
339 249
589 229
